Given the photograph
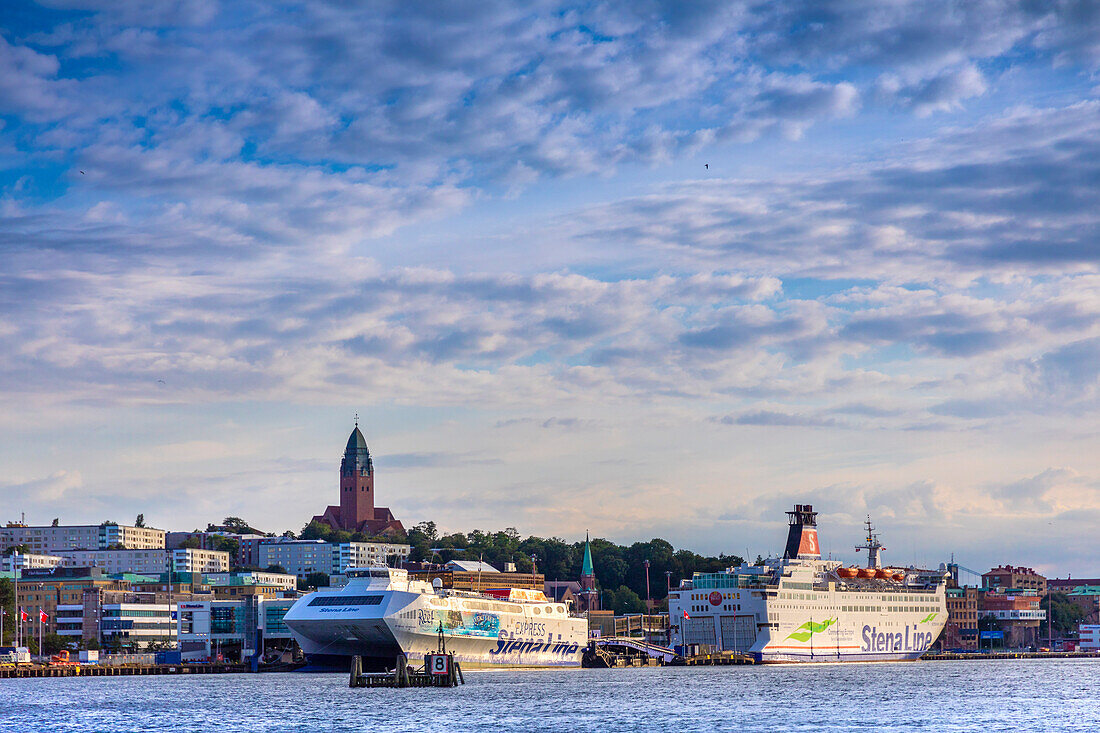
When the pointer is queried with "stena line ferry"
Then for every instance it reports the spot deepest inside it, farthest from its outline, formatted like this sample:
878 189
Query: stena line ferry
382 613
800 608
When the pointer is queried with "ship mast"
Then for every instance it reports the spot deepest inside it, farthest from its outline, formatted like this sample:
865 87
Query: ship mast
872 545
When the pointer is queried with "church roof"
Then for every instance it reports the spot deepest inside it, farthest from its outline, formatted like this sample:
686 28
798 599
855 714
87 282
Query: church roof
356 441
586 566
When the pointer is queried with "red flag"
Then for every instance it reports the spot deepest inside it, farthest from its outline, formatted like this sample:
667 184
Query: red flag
24 615
42 617
686 614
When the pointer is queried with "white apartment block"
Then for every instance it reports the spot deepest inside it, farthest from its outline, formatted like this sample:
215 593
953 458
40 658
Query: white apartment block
365 554
18 561
56 540
302 557
188 560
280 580
142 562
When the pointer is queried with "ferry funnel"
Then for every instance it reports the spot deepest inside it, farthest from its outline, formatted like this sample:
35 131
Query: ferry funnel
802 536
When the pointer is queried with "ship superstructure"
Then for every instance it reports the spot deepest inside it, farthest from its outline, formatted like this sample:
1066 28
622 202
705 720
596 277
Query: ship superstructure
382 613
800 608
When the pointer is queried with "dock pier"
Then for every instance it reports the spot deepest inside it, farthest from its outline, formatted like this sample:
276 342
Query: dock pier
439 670
23 672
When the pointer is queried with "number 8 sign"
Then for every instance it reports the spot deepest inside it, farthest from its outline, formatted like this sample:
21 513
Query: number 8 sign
439 664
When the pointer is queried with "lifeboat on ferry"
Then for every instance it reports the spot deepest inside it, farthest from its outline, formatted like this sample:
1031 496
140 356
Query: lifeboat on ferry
865 573
898 577
847 572
882 574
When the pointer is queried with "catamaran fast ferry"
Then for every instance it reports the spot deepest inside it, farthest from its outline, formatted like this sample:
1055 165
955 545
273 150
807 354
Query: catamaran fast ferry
382 613
801 608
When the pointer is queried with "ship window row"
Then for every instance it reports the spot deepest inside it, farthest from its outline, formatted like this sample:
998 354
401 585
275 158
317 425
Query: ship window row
708 609
346 601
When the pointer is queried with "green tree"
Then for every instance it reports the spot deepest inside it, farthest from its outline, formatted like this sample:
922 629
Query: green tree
139 521
191 543
225 544
623 600
316 530
275 569
239 526
1063 613
7 603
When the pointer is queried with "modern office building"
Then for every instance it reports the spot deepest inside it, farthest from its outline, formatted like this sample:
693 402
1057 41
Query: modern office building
143 562
239 585
45 590
189 560
247 554
302 557
234 629
56 540
19 561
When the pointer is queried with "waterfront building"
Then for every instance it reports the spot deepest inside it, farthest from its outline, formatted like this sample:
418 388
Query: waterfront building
232 628
302 557
961 631
56 540
144 562
1089 637
1007 576
18 561
356 511
1017 613
44 590
190 560
104 614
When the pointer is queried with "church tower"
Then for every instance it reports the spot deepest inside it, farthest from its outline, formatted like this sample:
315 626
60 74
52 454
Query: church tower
356 483
590 597
357 511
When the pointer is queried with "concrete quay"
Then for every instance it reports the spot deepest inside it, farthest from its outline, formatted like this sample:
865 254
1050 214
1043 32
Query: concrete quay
119 671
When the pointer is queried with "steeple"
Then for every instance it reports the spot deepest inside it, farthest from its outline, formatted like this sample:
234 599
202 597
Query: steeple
586 565
589 598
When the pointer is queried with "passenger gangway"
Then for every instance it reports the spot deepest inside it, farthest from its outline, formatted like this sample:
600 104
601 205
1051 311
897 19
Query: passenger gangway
655 651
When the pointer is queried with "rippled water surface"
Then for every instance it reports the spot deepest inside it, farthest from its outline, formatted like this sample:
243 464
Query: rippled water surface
1003 695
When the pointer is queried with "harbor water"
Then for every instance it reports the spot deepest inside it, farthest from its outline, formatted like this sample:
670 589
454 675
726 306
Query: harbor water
1000 695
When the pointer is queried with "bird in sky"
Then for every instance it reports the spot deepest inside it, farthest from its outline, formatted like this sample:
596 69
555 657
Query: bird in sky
81 172
705 165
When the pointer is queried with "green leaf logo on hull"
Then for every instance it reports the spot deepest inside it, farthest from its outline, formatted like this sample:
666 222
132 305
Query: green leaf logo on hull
928 618
808 629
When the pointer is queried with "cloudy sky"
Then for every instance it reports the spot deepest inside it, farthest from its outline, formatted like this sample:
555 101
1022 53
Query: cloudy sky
646 269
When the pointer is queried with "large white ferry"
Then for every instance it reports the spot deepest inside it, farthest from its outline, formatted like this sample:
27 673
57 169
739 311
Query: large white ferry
800 608
382 613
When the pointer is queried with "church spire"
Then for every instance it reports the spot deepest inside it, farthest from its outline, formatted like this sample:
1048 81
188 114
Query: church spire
586 565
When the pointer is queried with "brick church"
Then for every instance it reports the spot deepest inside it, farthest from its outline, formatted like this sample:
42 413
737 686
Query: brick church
357 512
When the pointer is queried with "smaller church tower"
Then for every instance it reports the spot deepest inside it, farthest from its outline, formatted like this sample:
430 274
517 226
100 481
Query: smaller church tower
590 598
356 483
